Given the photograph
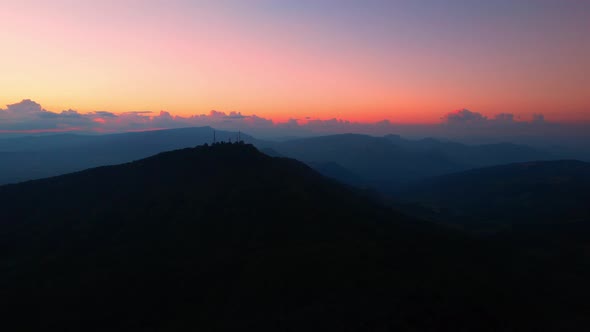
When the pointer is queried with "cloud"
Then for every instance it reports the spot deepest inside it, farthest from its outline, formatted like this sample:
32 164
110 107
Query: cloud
24 111
101 114
464 116
28 117
26 106
468 123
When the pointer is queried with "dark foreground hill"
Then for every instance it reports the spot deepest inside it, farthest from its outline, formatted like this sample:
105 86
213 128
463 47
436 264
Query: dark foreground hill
540 209
532 193
225 238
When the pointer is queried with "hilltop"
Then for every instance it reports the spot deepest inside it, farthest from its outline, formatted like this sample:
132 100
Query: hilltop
225 238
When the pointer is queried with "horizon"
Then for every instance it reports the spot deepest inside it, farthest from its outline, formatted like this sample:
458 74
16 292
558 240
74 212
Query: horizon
29 118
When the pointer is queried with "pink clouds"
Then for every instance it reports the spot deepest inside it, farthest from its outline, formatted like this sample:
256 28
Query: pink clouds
464 116
28 117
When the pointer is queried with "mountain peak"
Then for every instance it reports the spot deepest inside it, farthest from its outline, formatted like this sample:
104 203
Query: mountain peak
222 238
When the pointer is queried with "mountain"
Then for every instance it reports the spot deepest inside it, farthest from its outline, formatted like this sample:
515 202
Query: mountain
474 156
225 238
375 159
538 209
28 158
549 192
391 161
160 139
383 163
337 172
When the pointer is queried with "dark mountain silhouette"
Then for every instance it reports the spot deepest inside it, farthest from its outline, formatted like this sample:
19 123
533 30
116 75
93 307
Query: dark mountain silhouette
337 172
327 169
225 238
539 209
522 193
270 152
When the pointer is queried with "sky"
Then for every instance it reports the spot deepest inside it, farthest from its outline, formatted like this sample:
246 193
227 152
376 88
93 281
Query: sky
291 62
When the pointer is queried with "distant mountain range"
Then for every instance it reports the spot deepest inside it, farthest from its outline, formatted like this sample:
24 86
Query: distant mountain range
390 161
380 162
225 238
28 158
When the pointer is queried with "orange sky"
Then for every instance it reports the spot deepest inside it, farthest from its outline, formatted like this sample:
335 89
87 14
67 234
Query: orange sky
383 60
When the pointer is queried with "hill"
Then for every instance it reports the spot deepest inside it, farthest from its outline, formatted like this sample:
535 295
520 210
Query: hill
475 156
28 158
521 193
382 163
389 162
225 238
377 160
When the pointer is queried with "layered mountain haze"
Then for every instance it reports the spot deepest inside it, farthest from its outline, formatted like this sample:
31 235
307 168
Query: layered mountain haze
34 157
390 161
380 162
224 237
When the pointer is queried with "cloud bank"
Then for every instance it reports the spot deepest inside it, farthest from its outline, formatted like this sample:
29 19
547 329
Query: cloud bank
28 117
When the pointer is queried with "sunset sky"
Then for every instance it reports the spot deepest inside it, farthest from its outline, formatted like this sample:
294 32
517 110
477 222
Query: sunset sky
365 60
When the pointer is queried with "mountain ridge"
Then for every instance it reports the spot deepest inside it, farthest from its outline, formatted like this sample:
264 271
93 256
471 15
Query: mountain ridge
379 162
